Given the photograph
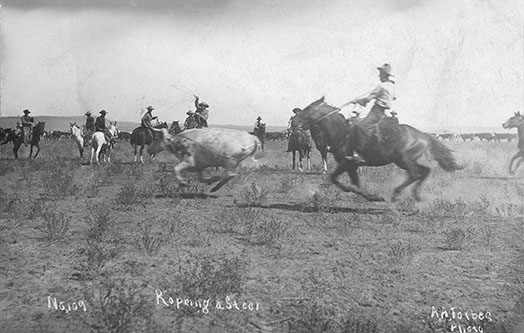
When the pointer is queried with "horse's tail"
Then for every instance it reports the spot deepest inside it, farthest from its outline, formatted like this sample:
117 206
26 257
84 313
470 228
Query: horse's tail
443 156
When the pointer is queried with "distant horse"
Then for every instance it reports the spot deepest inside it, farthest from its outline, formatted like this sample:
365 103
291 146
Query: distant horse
18 140
260 133
78 136
191 122
100 145
174 128
142 137
517 121
299 140
399 144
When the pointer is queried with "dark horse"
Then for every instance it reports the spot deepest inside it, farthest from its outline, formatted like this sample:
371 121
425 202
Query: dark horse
517 121
399 144
190 122
321 143
142 136
18 140
174 128
299 140
260 133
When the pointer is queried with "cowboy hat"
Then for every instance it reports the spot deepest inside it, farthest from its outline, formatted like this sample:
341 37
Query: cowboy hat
103 112
203 105
393 113
150 108
386 69
259 118
88 113
26 111
297 110
189 112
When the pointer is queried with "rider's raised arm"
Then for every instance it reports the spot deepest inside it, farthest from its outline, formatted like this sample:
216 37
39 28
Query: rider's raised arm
196 101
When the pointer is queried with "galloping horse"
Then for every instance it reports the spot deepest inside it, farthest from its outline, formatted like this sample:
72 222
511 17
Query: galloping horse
399 144
321 144
517 121
260 133
142 136
78 136
18 140
100 145
300 141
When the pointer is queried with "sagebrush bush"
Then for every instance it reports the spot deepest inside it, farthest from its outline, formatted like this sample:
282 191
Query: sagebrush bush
56 225
146 242
254 195
59 181
98 219
120 306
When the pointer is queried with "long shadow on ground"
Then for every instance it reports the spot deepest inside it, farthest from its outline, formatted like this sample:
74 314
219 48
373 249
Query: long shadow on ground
305 209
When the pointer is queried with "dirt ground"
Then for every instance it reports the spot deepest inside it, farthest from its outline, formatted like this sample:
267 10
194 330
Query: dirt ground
121 248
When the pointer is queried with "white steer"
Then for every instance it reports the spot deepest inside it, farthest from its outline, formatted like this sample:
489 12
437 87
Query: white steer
198 149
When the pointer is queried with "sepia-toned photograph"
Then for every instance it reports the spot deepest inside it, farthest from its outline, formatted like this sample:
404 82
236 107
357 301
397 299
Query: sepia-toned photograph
346 166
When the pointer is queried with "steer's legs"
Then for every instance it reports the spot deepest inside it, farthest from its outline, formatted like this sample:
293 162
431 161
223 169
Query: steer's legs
185 163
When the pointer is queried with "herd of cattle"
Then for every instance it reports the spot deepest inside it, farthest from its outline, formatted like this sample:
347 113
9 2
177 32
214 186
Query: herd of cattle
281 136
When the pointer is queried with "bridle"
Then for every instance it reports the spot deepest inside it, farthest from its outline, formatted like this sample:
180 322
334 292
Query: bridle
336 110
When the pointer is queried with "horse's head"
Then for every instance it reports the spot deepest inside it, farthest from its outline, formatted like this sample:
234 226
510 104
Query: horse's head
113 129
40 127
514 121
75 130
313 113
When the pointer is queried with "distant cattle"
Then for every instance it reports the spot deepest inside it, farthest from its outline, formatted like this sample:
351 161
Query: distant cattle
468 137
446 136
198 149
124 136
509 137
487 137
273 136
58 135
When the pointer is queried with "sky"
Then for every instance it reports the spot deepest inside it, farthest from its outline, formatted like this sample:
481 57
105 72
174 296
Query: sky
457 63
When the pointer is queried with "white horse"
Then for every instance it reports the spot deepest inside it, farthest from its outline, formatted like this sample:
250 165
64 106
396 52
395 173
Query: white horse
98 142
78 136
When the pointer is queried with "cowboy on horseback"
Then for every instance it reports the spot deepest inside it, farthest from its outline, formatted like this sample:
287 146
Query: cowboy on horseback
384 95
100 126
258 124
290 122
89 127
290 126
201 113
27 126
147 118
190 121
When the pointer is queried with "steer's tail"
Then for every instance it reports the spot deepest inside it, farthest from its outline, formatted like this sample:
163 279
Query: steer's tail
257 150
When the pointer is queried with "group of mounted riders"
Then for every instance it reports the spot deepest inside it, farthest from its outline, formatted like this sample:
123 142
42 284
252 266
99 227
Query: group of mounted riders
383 95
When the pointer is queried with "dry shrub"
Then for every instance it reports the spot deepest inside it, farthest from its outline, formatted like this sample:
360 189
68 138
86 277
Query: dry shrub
59 180
147 243
55 226
254 195
120 306
98 219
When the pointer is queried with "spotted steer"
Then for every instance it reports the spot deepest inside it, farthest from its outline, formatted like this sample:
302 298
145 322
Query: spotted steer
198 149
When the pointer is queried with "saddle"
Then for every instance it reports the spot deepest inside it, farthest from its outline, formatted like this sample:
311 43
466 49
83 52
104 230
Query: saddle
385 129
